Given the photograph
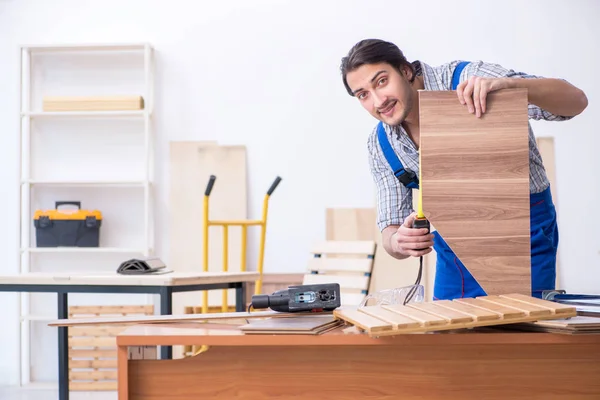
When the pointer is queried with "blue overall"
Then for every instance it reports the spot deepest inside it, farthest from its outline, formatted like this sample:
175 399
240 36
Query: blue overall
452 279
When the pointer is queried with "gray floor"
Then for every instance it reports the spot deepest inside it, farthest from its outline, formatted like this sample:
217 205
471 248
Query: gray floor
18 393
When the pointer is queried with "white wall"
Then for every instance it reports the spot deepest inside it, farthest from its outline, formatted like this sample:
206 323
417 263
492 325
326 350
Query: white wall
265 74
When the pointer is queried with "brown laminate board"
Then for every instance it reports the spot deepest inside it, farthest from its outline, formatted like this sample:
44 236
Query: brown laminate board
475 184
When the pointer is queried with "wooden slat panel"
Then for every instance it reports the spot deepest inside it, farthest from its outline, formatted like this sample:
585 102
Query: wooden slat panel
324 264
348 247
475 184
440 315
346 281
360 224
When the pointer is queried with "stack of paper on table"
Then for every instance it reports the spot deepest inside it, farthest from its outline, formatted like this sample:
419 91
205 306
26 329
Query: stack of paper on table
575 325
306 325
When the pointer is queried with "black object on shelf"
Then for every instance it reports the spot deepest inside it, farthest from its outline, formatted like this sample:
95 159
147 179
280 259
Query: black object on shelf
63 228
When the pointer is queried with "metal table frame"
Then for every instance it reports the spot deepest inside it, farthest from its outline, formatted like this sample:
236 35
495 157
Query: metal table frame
166 303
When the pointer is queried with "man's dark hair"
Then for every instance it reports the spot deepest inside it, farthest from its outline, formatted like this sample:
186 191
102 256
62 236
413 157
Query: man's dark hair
373 51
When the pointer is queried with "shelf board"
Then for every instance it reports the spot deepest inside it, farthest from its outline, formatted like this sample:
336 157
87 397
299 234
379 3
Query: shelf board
86 47
84 250
85 114
131 183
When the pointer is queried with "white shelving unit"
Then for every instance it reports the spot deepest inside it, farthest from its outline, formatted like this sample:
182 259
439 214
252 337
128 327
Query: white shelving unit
67 156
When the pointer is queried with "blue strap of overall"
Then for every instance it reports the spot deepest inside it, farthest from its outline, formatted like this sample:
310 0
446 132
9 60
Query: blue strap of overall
408 178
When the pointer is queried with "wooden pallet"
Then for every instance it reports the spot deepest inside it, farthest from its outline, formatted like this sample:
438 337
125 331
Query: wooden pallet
395 319
93 348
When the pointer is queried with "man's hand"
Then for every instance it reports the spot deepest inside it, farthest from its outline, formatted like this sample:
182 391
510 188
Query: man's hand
409 241
473 92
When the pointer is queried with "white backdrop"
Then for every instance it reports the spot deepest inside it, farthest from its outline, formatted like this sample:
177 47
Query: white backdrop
266 74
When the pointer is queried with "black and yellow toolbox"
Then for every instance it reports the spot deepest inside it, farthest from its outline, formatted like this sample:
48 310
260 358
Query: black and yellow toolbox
68 227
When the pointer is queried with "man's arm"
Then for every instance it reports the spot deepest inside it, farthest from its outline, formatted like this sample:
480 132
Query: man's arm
556 96
549 98
387 237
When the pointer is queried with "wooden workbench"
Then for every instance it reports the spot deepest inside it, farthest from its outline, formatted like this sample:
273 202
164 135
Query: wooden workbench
337 365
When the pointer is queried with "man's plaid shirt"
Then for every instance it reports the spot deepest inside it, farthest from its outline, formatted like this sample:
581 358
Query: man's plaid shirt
394 199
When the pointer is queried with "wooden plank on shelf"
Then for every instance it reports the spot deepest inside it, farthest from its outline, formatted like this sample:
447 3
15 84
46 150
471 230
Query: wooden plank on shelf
475 184
92 103
191 165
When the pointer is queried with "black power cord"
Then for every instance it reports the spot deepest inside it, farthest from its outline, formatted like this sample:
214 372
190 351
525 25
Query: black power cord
413 290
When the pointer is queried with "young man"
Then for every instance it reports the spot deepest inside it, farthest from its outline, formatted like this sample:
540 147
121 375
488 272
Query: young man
386 84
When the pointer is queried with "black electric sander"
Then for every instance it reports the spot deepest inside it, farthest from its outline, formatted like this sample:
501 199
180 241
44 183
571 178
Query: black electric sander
314 298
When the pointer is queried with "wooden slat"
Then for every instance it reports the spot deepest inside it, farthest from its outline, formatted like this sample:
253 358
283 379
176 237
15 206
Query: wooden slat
92 103
365 321
422 317
359 282
507 312
88 353
530 309
475 184
81 311
397 321
111 363
451 316
477 314
94 386
95 330
93 375
93 342
324 264
348 247
555 308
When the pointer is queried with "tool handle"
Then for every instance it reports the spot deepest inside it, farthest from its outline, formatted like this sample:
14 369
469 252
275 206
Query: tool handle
419 223
209 186
273 186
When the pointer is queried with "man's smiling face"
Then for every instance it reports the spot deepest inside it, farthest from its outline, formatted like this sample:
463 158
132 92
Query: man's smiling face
383 91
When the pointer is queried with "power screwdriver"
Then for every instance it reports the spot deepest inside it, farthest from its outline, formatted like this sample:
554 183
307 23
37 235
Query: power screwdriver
314 298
